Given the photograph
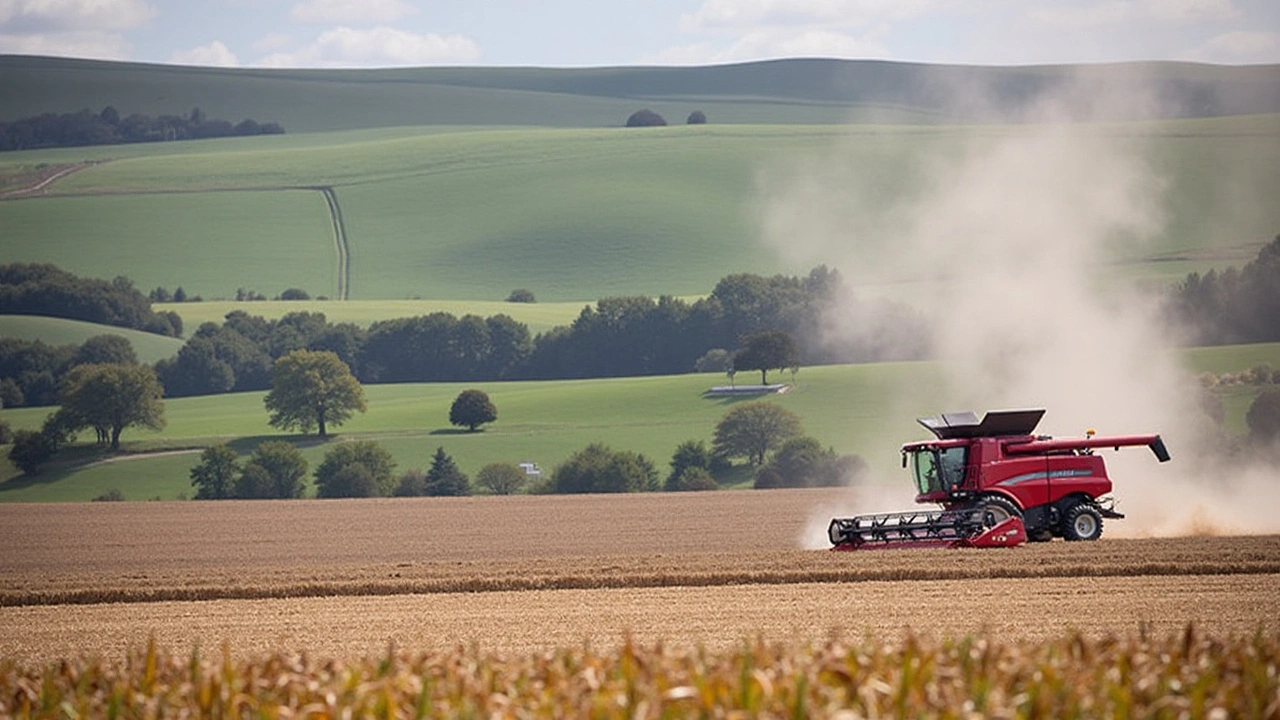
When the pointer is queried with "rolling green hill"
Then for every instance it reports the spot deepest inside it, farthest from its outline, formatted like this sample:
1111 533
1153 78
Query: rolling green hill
59 331
853 408
774 92
572 214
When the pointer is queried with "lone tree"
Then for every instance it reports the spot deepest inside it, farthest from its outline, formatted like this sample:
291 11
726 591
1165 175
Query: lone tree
765 351
645 118
312 389
356 469
444 477
697 117
753 429
214 477
472 408
110 398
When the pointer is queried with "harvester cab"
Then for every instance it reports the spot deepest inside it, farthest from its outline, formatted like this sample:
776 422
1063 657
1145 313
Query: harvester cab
997 485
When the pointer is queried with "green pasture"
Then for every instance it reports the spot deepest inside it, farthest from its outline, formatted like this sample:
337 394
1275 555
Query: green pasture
208 243
572 214
59 331
853 408
539 317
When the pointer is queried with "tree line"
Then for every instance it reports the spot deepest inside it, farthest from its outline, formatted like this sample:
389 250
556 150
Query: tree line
46 289
1232 306
614 337
107 127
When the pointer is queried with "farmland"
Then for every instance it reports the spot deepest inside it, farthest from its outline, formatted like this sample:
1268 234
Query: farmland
658 579
849 407
470 215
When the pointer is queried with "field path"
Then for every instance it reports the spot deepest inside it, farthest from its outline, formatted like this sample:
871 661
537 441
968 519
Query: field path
44 180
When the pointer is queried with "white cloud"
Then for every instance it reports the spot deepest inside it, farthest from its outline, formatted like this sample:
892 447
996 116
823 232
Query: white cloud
1242 46
722 14
96 45
272 41
1111 13
215 54
350 12
42 17
808 43
378 47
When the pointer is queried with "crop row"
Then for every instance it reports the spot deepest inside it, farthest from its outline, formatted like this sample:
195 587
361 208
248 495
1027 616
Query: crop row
1185 674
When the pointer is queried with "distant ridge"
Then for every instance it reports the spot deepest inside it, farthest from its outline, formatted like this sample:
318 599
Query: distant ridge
796 91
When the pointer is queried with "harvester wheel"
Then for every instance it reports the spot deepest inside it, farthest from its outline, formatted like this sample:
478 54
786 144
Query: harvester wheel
996 510
1082 521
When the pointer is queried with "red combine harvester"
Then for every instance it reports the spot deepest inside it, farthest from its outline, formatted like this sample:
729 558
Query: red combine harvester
998 486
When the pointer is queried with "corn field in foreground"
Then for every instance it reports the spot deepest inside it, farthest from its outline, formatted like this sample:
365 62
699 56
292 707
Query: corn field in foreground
1187 674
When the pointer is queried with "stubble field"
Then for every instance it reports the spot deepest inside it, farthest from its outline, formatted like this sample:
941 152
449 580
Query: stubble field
525 574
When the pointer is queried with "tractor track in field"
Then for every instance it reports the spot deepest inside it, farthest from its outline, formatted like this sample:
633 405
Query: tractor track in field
342 248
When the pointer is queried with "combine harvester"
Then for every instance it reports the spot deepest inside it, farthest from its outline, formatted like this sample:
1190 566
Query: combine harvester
998 486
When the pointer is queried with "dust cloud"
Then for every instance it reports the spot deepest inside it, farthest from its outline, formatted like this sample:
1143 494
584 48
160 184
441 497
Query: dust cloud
1001 238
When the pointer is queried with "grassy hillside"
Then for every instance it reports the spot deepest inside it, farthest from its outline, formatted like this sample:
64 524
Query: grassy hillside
780 91
853 408
573 215
58 331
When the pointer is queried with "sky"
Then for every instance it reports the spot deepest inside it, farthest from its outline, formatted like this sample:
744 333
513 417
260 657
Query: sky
594 33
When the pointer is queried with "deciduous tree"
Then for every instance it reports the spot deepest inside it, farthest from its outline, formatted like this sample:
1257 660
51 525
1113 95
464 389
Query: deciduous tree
312 389
356 469
214 477
501 478
765 351
113 397
275 470
753 429
472 408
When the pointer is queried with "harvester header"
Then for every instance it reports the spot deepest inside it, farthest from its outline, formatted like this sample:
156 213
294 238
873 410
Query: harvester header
997 485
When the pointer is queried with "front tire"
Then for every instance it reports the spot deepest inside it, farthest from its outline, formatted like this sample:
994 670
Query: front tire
1082 522
996 510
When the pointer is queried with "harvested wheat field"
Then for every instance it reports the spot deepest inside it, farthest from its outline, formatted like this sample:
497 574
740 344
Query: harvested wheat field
516 574
662 605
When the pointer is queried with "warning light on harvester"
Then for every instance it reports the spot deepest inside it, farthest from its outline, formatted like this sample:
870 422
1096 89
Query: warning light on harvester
998 485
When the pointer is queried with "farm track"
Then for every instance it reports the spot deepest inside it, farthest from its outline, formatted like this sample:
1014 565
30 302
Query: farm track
43 180
342 248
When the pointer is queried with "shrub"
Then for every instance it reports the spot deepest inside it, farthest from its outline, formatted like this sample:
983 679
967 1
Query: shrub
6 433
111 495
501 478
295 294
31 450
768 478
413 483
645 118
356 469
597 468
689 454
521 295
695 479
697 117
